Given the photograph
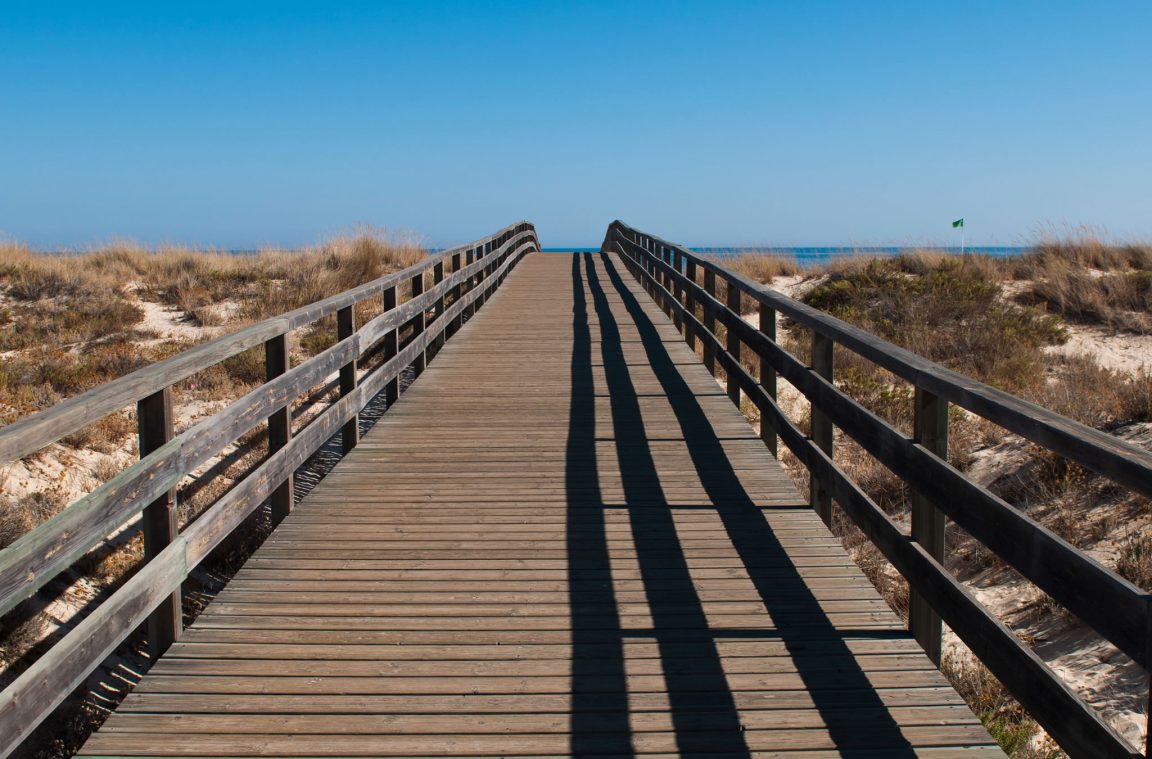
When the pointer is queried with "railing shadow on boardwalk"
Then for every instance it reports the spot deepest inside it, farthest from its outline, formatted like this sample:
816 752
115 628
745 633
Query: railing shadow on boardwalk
703 709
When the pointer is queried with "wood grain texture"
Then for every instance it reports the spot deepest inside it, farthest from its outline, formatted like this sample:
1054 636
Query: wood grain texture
561 540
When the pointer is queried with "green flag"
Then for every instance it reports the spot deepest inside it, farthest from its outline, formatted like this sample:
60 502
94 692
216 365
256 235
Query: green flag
958 223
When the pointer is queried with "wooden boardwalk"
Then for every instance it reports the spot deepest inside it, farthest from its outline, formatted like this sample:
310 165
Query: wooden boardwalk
564 539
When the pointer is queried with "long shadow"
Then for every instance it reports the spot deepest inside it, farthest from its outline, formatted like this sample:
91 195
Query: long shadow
599 686
702 708
842 694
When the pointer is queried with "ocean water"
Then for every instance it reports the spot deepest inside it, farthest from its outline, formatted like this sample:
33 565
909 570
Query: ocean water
812 256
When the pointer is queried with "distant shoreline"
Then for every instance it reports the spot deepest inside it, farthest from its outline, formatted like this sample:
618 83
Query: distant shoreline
812 255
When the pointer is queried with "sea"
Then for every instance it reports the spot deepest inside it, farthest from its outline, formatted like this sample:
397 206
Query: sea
815 256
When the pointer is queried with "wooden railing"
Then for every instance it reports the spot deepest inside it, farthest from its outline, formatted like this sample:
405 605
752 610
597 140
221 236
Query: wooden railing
462 278
684 284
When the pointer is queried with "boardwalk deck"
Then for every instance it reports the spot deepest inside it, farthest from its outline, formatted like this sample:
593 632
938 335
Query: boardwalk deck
563 539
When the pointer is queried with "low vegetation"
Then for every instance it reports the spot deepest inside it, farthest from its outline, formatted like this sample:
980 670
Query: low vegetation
1004 322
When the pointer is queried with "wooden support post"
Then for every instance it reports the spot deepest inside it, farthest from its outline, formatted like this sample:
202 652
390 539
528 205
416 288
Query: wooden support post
279 424
456 292
690 302
481 275
665 279
732 344
768 377
469 259
710 323
437 278
678 290
418 323
820 496
391 345
928 522
649 285
345 326
159 520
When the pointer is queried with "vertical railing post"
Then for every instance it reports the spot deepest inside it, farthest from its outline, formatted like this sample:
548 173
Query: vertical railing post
732 344
930 424
820 496
345 327
159 520
276 361
391 347
441 330
690 302
418 323
710 323
650 270
478 280
456 292
469 259
678 290
665 279
768 376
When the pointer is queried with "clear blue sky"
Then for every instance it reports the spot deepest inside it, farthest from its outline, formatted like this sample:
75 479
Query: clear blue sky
237 124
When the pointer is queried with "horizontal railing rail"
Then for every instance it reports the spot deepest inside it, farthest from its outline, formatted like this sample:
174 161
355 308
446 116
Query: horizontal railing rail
146 488
1106 602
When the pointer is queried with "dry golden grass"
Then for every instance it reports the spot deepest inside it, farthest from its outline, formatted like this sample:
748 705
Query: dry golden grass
71 322
759 266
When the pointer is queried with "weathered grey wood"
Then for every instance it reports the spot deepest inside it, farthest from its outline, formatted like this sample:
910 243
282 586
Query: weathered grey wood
159 518
822 365
678 292
732 338
345 327
710 322
391 345
276 363
437 278
690 298
454 325
49 680
24 436
768 374
928 522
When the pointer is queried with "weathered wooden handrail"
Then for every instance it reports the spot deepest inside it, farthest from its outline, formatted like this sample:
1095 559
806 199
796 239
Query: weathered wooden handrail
153 592
1103 600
